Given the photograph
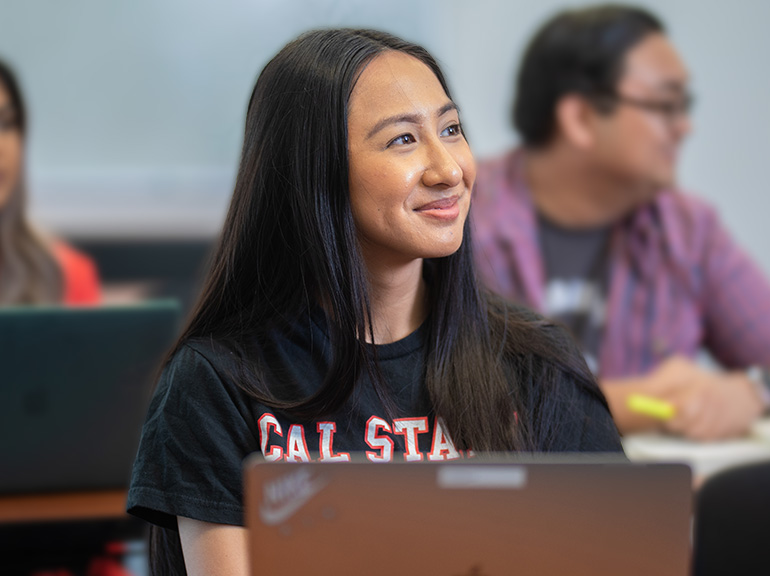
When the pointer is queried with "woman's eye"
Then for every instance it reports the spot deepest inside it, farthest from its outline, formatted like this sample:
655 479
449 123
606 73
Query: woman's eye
453 130
403 139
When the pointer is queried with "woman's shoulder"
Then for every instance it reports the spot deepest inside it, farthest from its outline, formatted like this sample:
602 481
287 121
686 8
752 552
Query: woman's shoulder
228 362
198 354
534 343
526 331
200 376
553 381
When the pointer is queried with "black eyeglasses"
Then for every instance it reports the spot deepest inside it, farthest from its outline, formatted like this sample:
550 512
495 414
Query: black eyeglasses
670 109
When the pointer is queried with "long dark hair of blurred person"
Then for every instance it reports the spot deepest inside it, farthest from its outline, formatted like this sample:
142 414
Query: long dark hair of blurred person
34 269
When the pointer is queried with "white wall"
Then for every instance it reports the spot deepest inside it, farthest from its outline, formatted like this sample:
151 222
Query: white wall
137 105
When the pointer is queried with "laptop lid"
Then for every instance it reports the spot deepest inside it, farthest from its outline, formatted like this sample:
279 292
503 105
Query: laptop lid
485 518
75 384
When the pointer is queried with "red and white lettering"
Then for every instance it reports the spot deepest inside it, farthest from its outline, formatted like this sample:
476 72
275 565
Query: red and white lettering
376 442
265 422
442 447
326 441
410 428
296 447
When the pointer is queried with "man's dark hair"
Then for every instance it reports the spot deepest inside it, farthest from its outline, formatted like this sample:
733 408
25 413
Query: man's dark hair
575 52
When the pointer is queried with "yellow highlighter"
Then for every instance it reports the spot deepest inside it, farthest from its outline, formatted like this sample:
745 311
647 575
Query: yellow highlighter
650 406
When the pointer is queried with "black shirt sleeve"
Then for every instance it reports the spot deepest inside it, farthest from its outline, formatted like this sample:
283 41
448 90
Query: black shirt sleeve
197 433
599 433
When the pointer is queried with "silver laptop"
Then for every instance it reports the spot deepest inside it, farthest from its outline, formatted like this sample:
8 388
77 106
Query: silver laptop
471 518
74 388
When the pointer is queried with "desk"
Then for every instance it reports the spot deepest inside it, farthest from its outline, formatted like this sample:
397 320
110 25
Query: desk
57 507
705 458
47 531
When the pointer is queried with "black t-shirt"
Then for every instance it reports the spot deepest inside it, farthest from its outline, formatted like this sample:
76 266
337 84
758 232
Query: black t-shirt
201 424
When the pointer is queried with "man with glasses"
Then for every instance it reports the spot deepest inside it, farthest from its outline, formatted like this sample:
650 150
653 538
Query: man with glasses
584 223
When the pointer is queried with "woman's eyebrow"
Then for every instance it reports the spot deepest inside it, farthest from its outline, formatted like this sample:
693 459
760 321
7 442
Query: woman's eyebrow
448 107
409 118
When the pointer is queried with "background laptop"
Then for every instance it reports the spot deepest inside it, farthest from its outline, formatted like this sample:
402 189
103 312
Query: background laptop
75 384
469 518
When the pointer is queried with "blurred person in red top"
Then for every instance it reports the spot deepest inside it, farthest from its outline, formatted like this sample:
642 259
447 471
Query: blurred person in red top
37 269
34 269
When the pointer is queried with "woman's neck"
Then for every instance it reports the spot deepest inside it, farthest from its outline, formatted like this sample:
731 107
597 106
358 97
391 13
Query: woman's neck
397 296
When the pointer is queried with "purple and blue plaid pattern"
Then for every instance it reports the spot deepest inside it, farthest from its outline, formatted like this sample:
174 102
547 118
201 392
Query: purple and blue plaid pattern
678 281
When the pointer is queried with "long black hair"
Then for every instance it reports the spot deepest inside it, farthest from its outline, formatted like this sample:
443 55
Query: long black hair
289 243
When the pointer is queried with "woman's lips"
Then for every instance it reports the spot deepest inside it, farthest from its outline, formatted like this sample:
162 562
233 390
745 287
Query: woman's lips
442 209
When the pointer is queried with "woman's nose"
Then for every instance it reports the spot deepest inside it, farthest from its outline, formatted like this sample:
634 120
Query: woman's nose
442 169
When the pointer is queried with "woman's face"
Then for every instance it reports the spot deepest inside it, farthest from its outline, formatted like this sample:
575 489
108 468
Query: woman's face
411 170
10 147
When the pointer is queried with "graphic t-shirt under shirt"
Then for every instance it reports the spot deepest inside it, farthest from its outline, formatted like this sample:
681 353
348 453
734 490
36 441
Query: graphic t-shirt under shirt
577 271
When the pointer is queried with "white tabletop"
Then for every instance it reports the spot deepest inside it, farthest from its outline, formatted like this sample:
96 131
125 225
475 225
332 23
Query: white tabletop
705 458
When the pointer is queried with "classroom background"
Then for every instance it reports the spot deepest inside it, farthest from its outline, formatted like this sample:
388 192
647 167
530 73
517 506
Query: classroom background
136 111
137 108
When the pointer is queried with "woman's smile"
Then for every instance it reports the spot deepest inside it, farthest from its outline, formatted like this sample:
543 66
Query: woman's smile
441 209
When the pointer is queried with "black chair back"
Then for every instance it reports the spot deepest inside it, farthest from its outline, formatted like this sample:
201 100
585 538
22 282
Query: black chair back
732 522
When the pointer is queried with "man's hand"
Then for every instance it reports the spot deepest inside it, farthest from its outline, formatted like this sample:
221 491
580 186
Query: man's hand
709 405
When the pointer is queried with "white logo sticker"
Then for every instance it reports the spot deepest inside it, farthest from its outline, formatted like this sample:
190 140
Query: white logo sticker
281 498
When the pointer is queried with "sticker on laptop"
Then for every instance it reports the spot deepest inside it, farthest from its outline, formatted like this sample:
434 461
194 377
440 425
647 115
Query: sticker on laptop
283 497
481 477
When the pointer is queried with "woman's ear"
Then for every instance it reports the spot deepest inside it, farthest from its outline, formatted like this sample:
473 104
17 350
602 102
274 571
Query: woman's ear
574 118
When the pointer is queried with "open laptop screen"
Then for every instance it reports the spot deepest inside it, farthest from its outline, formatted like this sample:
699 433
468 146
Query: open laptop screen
74 388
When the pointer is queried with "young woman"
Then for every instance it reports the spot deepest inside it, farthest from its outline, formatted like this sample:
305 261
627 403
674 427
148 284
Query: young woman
342 313
33 269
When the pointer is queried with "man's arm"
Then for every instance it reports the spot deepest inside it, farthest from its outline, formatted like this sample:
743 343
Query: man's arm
735 301
213 549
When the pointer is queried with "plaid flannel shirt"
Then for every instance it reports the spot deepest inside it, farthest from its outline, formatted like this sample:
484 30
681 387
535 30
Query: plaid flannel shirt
678 282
